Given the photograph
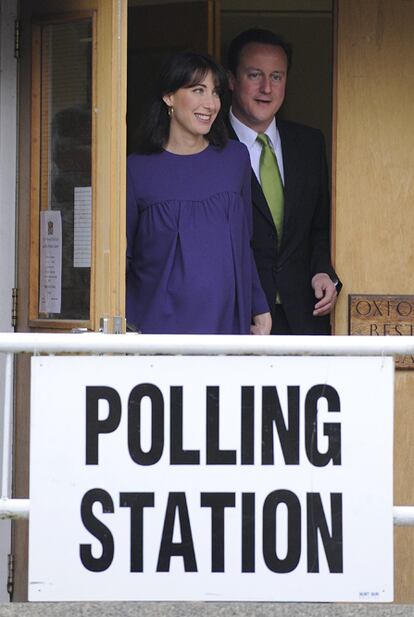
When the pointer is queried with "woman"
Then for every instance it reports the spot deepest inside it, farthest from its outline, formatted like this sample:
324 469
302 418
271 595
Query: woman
190 268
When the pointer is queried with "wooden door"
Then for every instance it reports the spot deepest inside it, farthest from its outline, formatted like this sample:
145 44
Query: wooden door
72 151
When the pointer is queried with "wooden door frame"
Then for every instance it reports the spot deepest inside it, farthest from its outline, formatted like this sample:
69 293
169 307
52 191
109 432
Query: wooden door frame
109 235
8 131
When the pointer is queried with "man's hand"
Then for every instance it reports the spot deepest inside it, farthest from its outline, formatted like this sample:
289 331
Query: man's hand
325 292
262 324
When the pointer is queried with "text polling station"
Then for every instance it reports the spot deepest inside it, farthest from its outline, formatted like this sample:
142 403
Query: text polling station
211 478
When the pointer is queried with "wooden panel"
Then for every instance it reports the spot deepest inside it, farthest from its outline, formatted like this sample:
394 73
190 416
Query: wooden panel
374 195
35 172
110 240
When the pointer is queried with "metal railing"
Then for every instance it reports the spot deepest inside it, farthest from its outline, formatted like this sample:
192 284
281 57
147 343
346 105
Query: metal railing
171 344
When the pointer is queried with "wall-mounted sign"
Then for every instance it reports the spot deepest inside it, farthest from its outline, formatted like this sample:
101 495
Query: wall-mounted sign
211 478
82 227
50 285
371 315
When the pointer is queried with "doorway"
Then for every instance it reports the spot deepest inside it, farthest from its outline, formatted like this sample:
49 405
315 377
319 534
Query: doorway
209 26
206 25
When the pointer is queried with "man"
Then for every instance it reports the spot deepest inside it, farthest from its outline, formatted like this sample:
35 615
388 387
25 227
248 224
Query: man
291 226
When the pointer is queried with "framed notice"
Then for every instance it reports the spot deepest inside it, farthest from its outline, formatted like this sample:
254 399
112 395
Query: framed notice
211 478
50 286
383 315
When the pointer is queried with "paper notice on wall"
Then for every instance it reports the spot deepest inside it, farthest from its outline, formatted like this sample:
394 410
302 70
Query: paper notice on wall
82 235
50 289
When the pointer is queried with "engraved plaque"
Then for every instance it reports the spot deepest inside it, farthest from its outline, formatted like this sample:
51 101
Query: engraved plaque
373 315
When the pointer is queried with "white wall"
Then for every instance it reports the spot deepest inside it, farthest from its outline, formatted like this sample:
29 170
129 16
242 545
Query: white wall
8 134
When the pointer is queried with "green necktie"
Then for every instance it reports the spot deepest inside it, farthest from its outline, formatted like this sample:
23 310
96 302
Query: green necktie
271 182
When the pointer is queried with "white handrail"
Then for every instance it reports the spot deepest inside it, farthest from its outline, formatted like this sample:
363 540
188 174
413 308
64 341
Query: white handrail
174 344
20 509
403 516
193 344
14 508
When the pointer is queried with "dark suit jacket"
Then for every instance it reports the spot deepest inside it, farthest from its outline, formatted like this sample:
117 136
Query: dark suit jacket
288 266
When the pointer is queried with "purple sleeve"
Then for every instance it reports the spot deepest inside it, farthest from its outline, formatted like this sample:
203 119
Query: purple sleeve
131 215
259 302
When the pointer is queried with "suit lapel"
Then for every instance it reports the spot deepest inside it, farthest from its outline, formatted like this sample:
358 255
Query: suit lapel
290 154
258 198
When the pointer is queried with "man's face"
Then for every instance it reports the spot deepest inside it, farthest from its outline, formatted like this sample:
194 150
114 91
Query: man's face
259 86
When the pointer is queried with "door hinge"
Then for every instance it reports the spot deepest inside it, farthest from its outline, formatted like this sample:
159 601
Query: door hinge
17 39
10 575
14 308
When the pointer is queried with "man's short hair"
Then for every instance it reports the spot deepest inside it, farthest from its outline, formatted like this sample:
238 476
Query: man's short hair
255 35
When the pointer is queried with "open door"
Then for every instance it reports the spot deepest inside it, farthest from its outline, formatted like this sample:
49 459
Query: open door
77 163
72 151
154 31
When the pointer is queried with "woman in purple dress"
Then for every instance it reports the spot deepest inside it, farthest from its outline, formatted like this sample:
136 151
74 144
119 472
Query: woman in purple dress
190 268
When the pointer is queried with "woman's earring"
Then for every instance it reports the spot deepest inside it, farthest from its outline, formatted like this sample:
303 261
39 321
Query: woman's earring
170 111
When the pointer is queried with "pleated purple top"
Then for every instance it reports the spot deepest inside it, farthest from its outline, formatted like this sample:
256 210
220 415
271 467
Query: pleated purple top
190 267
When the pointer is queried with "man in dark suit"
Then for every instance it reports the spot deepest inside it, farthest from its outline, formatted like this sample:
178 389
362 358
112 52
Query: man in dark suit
294 263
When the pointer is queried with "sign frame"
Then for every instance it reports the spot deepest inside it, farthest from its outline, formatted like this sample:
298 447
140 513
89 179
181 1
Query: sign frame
89 462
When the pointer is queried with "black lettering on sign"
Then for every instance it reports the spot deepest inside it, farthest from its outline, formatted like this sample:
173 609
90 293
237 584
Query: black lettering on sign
136 396
404 308
288 432
137 502
98 530
215 456
176 508
95 426
270 506
217 502
363 307
332 542
248 532
332 430
377 306
179 456
247 425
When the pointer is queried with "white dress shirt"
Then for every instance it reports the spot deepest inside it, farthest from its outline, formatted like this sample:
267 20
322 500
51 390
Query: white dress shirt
248 137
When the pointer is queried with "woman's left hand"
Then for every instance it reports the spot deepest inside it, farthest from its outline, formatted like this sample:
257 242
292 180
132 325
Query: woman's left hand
262 324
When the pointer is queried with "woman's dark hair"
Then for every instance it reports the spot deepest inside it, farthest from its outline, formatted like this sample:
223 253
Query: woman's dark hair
255 35
183 69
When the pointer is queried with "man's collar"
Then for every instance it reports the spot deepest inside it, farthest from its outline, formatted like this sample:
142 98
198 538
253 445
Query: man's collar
243 132
247 135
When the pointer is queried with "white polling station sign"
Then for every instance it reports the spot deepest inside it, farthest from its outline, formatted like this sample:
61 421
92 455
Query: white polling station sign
211 478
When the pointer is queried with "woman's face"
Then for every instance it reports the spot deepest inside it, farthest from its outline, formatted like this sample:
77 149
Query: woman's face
194 108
